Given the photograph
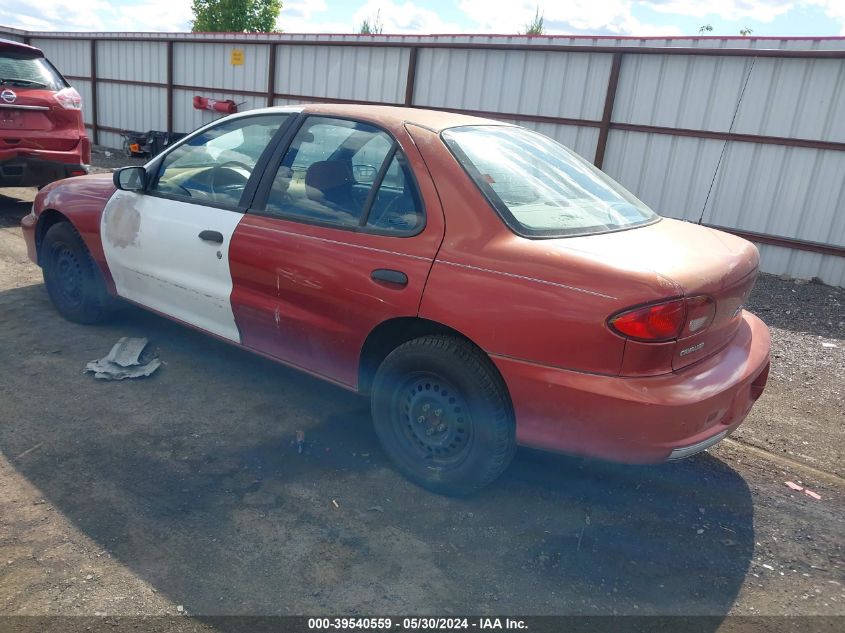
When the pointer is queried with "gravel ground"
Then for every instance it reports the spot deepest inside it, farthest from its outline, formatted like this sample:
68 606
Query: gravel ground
802 412
105 159
186 490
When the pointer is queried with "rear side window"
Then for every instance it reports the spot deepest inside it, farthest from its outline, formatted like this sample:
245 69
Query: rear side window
22 70
347 174
539 187
396 206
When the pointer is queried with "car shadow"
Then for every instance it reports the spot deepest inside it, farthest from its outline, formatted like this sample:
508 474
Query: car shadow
12 208
193 479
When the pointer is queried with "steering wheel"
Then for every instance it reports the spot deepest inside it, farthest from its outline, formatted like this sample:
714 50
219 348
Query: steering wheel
228 165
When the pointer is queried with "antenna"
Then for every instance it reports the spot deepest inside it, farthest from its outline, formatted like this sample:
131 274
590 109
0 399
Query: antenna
725 145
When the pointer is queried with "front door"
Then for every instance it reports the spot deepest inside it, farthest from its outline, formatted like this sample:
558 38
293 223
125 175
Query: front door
167 248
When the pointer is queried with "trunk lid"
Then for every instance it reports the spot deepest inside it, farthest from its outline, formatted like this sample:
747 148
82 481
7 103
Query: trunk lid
699 260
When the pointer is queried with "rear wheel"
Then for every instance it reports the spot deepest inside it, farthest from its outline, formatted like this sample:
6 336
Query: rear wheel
443 415
73 281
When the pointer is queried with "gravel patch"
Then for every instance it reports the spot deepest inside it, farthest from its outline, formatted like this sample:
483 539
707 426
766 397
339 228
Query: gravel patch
807 321
107 159
801 412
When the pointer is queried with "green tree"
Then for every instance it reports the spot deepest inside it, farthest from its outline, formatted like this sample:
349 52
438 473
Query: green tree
745 32
537 25
249 16
372 28
707 28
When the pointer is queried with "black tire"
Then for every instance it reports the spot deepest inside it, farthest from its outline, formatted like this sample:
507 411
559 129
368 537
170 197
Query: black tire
73 281
442 414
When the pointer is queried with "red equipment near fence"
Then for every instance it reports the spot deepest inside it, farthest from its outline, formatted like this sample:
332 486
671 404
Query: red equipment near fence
226 106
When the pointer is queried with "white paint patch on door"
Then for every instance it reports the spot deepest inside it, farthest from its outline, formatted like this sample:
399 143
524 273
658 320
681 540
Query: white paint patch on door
157 259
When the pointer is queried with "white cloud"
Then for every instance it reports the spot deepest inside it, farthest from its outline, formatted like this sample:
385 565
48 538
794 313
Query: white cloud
98 15
762 10
403 17
309 16
832 8
314 16
55 15
153 15
611 17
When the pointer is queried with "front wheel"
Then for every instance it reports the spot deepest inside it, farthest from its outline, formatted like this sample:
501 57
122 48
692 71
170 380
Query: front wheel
442 414
73 281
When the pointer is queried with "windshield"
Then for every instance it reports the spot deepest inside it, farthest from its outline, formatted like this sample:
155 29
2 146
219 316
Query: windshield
539 187
22 70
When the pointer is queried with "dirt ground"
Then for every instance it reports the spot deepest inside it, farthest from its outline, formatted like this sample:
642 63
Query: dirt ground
184 492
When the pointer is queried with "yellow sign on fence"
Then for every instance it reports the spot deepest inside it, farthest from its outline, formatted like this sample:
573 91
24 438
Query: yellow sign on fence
237 57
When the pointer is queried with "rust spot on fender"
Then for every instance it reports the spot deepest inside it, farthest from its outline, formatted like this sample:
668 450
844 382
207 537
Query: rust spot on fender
122 223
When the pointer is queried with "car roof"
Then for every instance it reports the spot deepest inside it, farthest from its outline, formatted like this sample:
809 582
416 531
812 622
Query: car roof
386 116
20 46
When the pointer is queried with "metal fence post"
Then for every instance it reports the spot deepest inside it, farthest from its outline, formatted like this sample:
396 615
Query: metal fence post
607 115
169 87
412 75
271 76
95 132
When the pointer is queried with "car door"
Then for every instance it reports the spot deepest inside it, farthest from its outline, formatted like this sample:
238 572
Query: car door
167 247
342 235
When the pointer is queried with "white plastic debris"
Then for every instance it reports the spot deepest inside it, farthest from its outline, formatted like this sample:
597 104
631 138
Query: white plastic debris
124 361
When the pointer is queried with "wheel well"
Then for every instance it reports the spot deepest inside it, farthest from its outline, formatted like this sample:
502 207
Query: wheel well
48 218
389 335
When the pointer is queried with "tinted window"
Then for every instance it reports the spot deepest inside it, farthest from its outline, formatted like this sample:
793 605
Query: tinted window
215 166
540 187
22 70
329 170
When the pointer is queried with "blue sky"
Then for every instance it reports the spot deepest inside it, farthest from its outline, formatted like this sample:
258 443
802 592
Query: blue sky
594 17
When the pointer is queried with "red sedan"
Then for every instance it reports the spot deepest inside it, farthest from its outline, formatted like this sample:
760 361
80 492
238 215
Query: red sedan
484 285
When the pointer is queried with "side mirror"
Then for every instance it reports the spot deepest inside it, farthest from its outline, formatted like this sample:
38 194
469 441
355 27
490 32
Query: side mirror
130 178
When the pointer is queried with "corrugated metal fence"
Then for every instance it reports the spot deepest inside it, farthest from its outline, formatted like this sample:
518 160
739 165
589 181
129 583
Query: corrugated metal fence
662 116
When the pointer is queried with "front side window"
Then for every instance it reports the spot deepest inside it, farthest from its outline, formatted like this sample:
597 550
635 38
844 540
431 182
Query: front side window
215 166
348 174
539 187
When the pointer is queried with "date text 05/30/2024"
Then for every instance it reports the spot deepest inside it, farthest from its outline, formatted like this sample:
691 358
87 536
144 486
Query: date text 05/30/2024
416 624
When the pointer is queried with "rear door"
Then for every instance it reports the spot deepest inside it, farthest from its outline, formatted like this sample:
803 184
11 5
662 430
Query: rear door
168 247
341 238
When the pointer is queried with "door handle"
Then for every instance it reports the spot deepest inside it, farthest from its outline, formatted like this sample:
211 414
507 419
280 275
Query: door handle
386 275
211 236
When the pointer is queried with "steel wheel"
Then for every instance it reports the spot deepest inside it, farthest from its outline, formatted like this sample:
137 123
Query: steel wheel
72 278
443 414
69 276
435 418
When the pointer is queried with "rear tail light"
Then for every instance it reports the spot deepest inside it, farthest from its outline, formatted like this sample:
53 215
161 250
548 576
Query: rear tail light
700 313
665 321
69 99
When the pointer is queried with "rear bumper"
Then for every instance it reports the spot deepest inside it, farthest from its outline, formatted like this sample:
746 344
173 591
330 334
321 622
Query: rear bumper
34 170
640 420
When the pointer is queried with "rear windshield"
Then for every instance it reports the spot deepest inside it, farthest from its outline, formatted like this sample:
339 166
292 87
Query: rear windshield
539 187
21 70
